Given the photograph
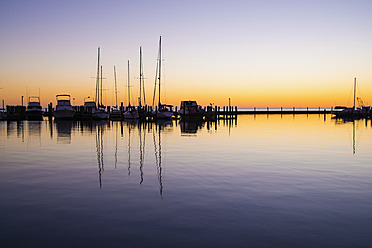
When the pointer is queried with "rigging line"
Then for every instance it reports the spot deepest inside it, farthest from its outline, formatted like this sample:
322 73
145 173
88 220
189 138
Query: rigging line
350 94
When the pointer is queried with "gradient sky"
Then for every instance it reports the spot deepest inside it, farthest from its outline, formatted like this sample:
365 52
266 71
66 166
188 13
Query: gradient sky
258 53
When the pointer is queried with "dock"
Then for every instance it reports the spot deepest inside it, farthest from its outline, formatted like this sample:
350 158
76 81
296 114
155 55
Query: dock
211 113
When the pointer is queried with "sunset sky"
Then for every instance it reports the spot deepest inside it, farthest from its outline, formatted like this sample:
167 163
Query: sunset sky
258 53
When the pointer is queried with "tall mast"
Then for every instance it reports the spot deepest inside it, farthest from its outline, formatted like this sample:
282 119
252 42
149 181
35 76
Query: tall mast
354 92
97 80
101 87
128 86
143 79
140 78
116 89
159 68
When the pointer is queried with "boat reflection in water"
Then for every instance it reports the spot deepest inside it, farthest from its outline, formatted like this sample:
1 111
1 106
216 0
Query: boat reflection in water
64 128
134 158
190 127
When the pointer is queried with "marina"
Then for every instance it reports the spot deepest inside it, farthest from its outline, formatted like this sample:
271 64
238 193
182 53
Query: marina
186 124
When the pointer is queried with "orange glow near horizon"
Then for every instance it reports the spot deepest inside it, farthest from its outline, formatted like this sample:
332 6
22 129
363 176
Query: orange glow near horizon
242 96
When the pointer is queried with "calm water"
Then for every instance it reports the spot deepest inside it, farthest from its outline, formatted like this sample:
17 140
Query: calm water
264 181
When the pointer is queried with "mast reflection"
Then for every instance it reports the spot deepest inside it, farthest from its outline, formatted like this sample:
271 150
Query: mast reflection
158 151
131 124
99 148
142 145
339 121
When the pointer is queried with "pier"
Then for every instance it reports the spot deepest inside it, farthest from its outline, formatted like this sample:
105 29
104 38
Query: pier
210 113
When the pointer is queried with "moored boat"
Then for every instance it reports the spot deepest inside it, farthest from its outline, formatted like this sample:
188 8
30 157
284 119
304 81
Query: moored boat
191 110
34 110
63 108
98 110
2 114
353 112
131 112
115 113
163 111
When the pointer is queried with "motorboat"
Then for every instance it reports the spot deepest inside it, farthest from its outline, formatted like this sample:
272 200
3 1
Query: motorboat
191 110
2 114
34 110
63 108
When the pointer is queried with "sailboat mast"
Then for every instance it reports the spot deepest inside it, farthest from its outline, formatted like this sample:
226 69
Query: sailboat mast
140 78
97 80
128 86
354 92
101 87
116 89
143 79
159 68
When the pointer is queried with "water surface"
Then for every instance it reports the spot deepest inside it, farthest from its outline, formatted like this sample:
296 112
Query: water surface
258 181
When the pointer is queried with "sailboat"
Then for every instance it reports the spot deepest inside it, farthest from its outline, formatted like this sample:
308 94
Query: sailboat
352 112
98 110
163 111
131 112
115 111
